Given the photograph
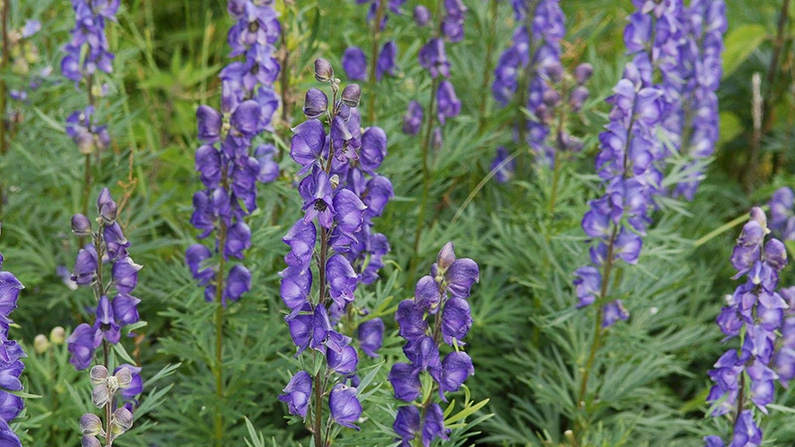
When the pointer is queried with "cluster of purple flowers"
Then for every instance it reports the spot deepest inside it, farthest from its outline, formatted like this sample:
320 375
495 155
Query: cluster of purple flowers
529 71
756 310
782 213
354 61
11 366
703 24
86 53
108 245
341 193
684 44
229 162
433 57
619 218
439 312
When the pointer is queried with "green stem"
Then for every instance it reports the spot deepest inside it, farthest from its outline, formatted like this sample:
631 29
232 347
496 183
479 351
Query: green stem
426 179
219 324
109 404
598 331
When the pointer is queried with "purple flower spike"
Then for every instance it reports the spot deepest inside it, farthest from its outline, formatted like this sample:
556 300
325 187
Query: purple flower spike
297 393
345 406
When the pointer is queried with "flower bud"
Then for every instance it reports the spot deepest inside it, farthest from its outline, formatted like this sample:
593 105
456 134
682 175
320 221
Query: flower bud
57 335
122 420
81 226
99 374
577 98
351 94
106 206
90 424
555 72
759 216
324 72
446 257
41 344
334 180
123 377
100 396
315 103
421 16
583 72
90 441
550 97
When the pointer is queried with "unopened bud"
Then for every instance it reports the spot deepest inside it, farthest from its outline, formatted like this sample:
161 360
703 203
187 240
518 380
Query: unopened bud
324 72
100 396
555 72
759 216
90 425
90 441
57 335
123 377
99 374
122 420
81 226
446 257
583 72
351 95
334 180
41 344
421 15
315 103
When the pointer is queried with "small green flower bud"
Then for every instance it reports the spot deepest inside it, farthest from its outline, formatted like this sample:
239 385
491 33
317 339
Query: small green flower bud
90 425
123 377
90 441
41 344
99 374
57 335
122 420
100 396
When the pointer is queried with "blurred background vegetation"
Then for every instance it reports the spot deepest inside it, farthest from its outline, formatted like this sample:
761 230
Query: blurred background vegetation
528 342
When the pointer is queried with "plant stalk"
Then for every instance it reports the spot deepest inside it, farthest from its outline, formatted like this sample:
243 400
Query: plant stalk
219 325
379 16
3 69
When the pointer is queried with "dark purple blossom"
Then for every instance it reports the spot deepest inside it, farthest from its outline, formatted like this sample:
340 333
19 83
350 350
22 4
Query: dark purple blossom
354 62
345 406
371 334
386 60
297 393
412 120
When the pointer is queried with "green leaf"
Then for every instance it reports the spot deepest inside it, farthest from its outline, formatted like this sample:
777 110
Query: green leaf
469 410
740 43
123 353
730 127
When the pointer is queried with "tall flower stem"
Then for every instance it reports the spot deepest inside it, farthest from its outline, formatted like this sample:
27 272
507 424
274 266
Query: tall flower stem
426 179
87 179
488 67
284 83
437 325
598 332
3 67
318 387
108 405
379 16
218 371
772 70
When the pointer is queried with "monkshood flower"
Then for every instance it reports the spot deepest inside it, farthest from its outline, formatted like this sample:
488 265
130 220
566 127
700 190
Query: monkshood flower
88 49
529 73
116 308
438 313
230 162
758 309
392 6
11 366
687 51
342 193
617 220
782 213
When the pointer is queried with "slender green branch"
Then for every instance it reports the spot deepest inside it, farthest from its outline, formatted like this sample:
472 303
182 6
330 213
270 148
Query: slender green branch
3 69
488 66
